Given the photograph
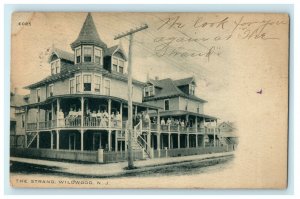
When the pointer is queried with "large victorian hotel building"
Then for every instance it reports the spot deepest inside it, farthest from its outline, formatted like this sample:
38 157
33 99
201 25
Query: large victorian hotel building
79 112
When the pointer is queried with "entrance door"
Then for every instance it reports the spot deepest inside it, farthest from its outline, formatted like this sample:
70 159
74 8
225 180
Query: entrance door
97 141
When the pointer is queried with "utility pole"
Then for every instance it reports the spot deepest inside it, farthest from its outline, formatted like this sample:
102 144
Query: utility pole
130 129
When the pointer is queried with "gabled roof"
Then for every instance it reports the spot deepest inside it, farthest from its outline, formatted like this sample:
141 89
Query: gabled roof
229 124
185 81
169 89
154 83
110 51
88 34
62 55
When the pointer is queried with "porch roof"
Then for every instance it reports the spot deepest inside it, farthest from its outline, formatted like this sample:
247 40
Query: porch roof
53 98
182 112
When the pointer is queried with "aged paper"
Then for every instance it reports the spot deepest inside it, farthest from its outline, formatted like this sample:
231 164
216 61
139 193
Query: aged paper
202 72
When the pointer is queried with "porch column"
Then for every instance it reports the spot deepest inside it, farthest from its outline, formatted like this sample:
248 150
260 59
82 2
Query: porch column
203 140
196 140
38 140
57 139
196 123
57 112
38 118
169 140
52 113
187 123
81 138
82 113
187 141
126 139
116 141
51 134
178 140
158 144
121 113
109 140
109 113
214 137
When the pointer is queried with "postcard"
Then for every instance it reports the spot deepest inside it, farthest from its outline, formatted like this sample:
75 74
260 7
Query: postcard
149 100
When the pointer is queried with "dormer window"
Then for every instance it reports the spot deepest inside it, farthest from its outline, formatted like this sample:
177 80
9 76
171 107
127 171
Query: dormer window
87 54
118 64
78 55
98 55
55 67
192 89
149 91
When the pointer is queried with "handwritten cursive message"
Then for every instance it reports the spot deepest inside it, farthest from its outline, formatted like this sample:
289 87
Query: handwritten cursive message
208 34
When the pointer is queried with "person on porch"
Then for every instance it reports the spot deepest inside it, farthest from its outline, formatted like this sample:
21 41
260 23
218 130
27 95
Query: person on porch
119 119
105 118
162 122
99 116
61 118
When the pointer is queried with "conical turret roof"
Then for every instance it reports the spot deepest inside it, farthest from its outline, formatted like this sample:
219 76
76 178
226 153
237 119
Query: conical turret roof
88 34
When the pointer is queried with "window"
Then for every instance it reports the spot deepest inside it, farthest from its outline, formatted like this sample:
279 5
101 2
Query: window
121 66
192 89
87 54
78 82
198 108
98 56
55 67
87 83
107 87
97 81
52 68
167 105
78 55
186 104
72 86
115 64
23 120
50 90
38 95
118 65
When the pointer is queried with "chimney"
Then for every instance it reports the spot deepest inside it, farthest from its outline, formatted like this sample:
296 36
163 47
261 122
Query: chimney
156 78
148 78
16 90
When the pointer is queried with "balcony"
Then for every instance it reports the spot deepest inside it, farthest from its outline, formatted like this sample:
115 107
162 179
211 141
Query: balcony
76 123
178 129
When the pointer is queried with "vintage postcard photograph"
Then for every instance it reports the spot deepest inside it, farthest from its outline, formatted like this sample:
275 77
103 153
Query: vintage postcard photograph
149 100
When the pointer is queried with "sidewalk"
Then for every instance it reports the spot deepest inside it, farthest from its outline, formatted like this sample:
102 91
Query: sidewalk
115 169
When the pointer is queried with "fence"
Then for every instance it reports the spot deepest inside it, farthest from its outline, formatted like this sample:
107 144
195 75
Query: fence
111 156
82 156
191 151
75 155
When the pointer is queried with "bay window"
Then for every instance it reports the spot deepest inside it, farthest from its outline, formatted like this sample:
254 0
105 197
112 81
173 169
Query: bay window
98 56
78 55
78 82
87 83
97 80
87 54
72 86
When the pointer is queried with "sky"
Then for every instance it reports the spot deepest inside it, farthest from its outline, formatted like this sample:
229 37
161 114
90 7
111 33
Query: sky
167 49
